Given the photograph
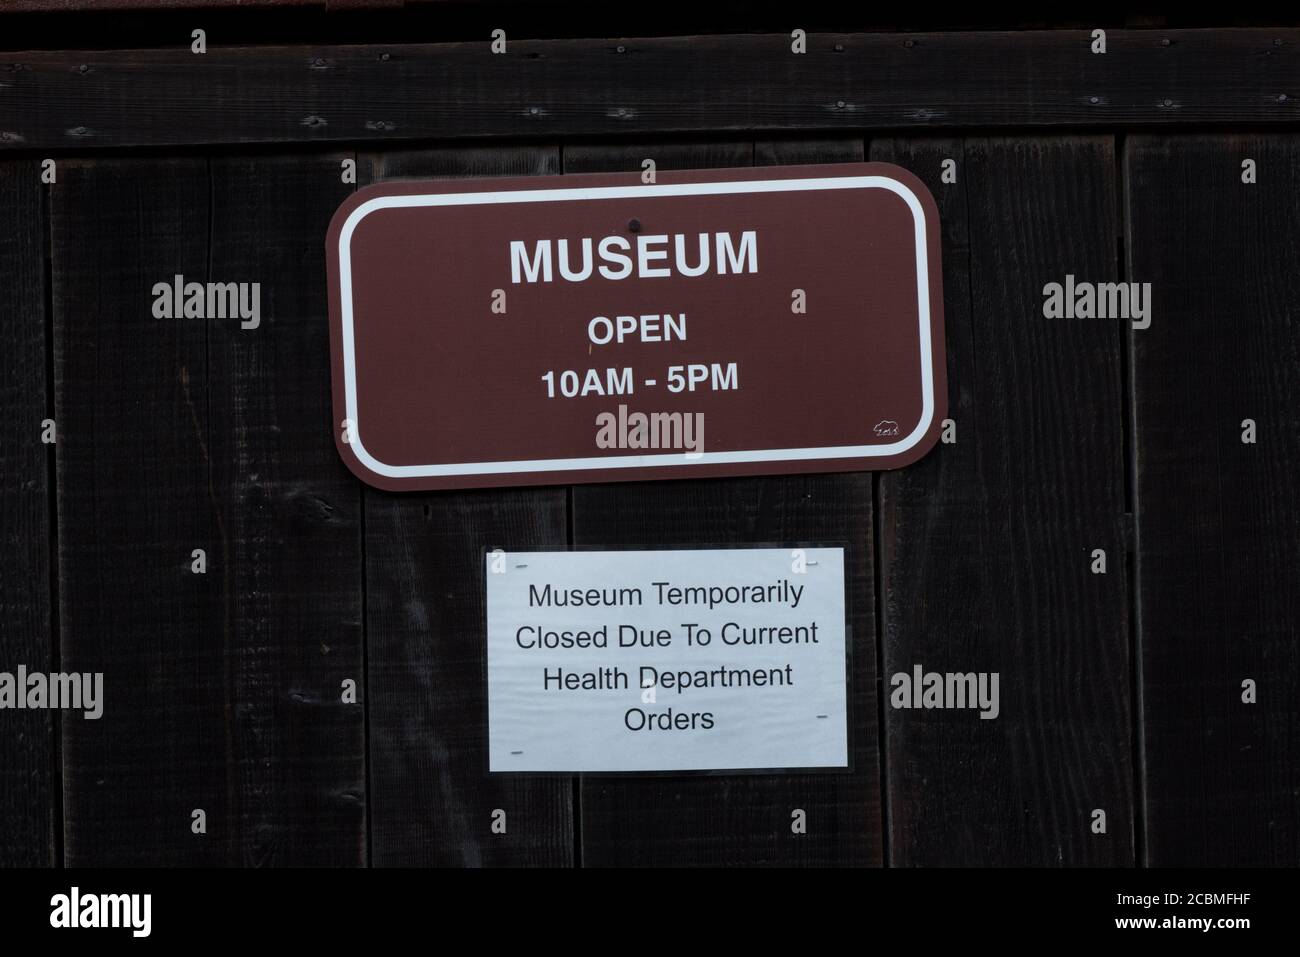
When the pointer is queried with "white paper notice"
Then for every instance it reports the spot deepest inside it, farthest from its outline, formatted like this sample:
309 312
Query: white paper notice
669 660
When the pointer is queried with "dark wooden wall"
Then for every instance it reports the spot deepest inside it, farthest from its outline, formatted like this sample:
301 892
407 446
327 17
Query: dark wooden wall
1121 692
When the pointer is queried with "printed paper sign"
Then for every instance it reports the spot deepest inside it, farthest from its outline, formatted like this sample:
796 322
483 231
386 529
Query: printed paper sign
667 660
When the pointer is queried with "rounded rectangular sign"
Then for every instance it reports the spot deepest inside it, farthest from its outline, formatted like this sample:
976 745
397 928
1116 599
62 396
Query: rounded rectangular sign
555 330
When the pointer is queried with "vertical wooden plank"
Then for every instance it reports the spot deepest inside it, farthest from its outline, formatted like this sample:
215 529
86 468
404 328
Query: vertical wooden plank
1219 583
986 544
431 798
287 557
734 820
28 778
134 500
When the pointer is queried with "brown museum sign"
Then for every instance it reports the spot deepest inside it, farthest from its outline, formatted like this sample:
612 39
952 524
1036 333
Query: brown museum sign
567 329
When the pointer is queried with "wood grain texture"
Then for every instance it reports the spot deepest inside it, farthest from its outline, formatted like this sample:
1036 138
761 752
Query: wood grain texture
738 820
29 779
1218 521
93 99
287 557
95 6
986 544
431 797
134 500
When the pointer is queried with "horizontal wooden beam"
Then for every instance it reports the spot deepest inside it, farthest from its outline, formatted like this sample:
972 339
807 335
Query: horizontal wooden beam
546 88
94 6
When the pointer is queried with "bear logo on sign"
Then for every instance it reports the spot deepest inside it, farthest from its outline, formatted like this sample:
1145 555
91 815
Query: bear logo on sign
886 427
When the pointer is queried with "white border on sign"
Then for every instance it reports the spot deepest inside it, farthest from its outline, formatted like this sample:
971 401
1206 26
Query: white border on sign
635 192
